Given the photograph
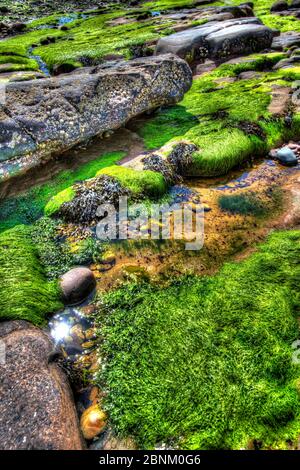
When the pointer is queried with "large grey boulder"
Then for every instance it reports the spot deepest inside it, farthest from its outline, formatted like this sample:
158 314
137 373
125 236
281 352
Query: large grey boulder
36 404
45 117
218 39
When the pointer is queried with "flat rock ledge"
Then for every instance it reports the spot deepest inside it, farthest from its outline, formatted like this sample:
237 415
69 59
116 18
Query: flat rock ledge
41 118
218 39
36 405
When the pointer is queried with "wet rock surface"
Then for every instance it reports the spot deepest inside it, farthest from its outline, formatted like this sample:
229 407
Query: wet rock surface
287 63
286 40
36 406
77 284
280 5
218 39
44 117
283 8
286 156
11 29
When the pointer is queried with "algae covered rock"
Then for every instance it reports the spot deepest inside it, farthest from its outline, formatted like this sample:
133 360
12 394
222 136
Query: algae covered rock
79 203
36 406
46 117
87 196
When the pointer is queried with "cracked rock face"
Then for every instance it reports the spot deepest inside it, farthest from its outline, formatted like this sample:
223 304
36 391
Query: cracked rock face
218 39
45 117
36 405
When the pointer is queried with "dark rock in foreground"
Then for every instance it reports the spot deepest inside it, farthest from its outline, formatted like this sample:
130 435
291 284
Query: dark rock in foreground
36 404
45 117
218 39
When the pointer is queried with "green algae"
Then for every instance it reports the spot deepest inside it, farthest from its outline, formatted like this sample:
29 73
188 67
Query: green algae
206 363
10 63
25 292
245 204
26 209
92 38
140 183
216 113
56 201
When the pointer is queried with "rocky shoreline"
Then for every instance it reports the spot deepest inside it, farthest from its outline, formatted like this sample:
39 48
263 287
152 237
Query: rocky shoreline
42 118
211 97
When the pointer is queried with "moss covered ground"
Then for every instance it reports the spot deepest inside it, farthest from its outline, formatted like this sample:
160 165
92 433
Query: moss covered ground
25 292
90 37
228 120
31 254
140 183
29 207
207 362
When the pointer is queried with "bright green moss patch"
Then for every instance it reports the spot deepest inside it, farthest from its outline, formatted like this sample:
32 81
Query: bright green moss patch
223 151
54 254
56 201
13 62
207 361
19 45
255 62
227 119
160 5
93 39
25 292
28 208
140 183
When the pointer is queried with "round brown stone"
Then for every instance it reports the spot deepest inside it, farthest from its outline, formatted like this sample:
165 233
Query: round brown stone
77 284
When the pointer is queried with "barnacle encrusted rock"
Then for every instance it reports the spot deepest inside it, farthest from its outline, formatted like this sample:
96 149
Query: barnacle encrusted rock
89 195
44 117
